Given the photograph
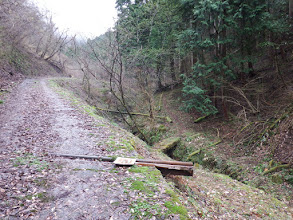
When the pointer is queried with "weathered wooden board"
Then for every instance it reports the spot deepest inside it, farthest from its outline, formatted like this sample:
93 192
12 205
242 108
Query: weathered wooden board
170 169
124 161
165 162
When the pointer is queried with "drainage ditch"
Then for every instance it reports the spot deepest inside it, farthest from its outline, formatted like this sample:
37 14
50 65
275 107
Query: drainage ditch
207 160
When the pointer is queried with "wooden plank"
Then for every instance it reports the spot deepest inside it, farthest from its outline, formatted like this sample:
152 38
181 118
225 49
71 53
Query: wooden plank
165 162
170 169
167 166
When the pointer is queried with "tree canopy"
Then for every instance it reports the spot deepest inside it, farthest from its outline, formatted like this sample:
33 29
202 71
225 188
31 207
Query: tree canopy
206 45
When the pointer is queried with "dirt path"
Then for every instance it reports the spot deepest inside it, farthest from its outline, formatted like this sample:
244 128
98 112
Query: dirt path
34 121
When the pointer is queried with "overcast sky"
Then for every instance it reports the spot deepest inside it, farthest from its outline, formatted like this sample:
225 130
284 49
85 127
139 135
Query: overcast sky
88 17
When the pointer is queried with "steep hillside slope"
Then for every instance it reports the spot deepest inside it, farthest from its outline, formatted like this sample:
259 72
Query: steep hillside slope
209 194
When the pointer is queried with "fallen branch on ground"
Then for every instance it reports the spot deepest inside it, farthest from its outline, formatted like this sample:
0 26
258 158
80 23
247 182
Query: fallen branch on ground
168 119
276 122
216 143
276 168
194 153
201 118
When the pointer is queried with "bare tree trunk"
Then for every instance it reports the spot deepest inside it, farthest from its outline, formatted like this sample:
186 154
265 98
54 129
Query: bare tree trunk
291 9
172 69
182 67
159 75
113 66
251 70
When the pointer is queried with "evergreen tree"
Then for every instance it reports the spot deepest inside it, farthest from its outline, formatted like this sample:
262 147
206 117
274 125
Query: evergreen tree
225 36
211 43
